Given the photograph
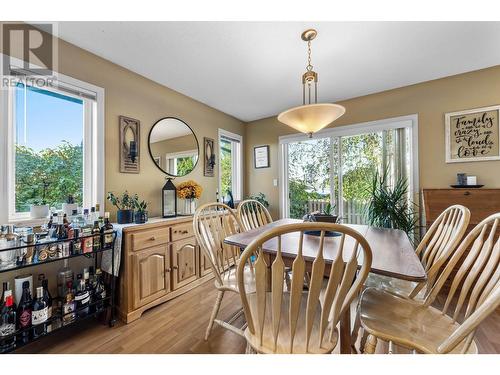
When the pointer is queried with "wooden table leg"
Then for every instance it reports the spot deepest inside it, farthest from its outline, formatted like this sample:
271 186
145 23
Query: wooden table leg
345 332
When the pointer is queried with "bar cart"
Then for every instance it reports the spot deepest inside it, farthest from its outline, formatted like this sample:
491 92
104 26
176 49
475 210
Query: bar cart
59 320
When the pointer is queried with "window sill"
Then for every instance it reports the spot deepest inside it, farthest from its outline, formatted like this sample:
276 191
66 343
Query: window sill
27 221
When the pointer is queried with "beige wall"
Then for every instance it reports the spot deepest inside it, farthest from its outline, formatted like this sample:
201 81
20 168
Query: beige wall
430 100
133 95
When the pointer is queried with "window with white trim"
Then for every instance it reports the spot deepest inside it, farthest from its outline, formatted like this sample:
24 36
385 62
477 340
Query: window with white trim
53 146
333 171
230 165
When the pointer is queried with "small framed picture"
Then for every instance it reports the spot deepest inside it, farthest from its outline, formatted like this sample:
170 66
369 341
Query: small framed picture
261 156
473 135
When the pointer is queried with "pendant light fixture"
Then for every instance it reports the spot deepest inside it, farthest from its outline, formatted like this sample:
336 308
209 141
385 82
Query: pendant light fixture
311 116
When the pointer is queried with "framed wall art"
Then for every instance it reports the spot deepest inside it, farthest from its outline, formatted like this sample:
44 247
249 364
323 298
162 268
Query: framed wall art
208 157
473 135
261 157
129 144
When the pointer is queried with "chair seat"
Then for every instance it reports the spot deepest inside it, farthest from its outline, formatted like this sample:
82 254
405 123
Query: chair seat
283 344
402 288
406 322
230 279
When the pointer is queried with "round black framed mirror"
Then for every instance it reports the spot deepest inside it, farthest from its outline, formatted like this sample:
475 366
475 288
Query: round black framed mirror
173 147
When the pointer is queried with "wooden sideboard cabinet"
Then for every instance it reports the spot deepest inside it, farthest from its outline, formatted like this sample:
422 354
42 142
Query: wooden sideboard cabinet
161 260
481 203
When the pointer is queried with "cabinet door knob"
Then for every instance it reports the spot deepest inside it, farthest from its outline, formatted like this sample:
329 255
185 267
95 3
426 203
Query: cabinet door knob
152 238
168 270
175 267
467 193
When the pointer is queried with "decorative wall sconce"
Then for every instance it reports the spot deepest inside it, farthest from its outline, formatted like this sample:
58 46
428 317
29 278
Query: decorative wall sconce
208 157
129 145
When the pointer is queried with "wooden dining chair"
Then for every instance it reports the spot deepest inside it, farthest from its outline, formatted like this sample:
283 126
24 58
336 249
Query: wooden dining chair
253 214
474 294
434 250
213 222
298 321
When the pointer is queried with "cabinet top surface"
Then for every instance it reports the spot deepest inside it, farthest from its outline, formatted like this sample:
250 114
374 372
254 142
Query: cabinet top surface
155 222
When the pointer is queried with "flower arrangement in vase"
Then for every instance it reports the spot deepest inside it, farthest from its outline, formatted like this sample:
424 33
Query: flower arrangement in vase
189 191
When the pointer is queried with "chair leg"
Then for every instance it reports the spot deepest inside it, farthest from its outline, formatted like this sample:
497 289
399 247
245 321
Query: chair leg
288 281
362 342
371 344
249 349
307 280
356 327
215 311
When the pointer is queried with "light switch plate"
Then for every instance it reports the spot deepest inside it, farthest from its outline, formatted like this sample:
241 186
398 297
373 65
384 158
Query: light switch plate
275 182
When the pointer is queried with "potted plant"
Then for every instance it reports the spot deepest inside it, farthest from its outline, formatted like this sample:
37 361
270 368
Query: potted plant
39 209
125 206
141 213
261 198
390 206
189 191
327 215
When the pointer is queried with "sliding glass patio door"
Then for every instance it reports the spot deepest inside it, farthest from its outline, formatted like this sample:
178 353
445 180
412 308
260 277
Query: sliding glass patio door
335 169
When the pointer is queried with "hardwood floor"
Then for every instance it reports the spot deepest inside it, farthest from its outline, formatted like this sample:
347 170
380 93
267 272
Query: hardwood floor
178 326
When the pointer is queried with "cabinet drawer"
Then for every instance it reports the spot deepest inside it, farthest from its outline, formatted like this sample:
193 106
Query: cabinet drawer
149 238
182 231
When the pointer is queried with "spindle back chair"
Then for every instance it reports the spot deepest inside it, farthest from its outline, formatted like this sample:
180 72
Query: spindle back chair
212 223
253 214
473 295
298 321
434 250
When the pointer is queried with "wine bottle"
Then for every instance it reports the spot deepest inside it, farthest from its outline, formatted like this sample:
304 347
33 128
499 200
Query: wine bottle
82 298
99 290
5 287
96 236
64 275
89 288
107 232
7 323
54 226
69 306
86 232
48 300
24 313
39 314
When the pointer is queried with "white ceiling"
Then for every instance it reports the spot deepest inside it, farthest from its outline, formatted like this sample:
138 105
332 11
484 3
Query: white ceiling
169 128
252 70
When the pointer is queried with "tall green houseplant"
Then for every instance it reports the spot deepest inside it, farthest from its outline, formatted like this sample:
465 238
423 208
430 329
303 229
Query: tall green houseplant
390 207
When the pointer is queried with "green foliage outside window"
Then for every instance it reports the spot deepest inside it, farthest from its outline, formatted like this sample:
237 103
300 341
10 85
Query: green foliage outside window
225 168
184 165
48 176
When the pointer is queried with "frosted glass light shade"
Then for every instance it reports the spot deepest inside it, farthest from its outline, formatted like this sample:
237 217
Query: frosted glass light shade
311 117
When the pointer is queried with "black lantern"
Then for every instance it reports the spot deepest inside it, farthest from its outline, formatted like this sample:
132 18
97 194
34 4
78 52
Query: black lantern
169 199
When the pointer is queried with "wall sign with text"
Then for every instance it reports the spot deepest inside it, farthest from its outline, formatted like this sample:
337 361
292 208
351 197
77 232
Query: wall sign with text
473 135
261 157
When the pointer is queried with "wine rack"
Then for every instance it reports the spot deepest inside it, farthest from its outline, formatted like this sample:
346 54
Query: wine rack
57 322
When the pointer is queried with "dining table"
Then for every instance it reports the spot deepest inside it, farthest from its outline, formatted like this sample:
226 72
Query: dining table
393 255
